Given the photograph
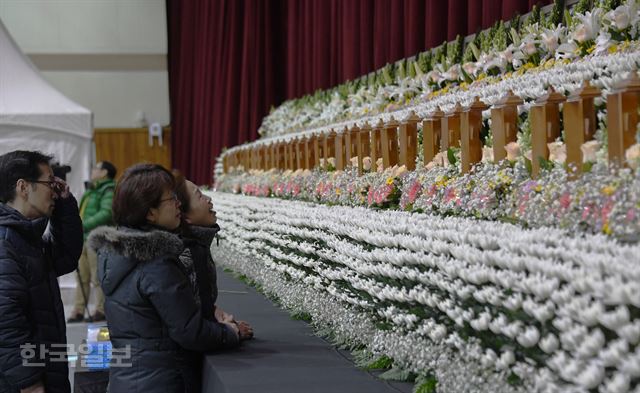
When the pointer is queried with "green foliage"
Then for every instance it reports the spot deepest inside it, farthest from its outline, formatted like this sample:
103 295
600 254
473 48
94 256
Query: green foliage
471 52
568 19
382 363
425 384
361 357
384 325
486 41
582 6
424 61
555 17
397 374
514 380
301 316
609 5
386 75
524 134
516 22
344 90
528 166
439 55
534 17
545 164
486 136
500 37
411 68
400 69
515 37
371 79
451 156
454 51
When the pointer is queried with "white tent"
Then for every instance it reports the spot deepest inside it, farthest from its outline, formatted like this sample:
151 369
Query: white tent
36 116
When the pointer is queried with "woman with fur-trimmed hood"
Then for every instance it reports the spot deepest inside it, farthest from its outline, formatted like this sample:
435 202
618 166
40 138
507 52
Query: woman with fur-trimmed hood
149 302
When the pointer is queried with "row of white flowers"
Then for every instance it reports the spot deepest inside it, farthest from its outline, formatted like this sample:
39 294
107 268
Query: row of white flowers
559 311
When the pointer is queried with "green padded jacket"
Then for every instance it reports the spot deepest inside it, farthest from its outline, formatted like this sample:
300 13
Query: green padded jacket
97 212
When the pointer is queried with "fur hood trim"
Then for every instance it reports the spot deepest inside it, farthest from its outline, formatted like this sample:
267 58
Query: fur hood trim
135 243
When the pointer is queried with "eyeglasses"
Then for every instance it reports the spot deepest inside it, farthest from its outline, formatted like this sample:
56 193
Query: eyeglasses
52 184
173 197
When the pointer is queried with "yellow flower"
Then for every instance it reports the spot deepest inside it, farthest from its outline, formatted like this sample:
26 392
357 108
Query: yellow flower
390 181
548 64
538 188
608 190
338 191
613 49
441 181
591 49
606 229
481 76
625 45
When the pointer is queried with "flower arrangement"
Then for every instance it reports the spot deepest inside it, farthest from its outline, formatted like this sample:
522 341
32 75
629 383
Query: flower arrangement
602 200
478 306
539 43
485 281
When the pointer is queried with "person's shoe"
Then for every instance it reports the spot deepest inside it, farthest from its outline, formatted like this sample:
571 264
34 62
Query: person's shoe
97 317
75 318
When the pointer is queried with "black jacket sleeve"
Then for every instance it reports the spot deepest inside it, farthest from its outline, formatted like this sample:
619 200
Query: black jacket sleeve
169 291
64 236
14 326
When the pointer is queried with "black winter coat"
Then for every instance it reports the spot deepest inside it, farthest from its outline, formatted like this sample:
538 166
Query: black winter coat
31 310
196 263
150 308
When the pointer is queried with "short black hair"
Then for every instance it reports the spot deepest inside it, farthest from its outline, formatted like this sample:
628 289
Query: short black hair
16 165
110 168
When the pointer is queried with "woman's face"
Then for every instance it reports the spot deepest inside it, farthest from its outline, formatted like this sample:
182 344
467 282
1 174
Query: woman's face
167 213
200 207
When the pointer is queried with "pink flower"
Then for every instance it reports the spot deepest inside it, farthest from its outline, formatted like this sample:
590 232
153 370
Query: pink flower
565 200
449 195
631 215
522 208
606 210
414 191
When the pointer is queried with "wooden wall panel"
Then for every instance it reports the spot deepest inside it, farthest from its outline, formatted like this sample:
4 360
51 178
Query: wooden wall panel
127 146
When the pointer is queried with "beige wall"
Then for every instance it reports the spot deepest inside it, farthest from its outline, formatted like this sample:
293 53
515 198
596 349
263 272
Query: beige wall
108 55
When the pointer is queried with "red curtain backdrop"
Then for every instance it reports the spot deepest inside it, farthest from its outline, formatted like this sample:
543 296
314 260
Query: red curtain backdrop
232 60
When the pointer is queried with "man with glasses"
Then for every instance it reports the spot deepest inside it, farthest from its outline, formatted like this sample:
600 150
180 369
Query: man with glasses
32 256
95 211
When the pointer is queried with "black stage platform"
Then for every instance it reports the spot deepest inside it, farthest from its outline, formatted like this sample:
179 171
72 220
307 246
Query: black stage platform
285 356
